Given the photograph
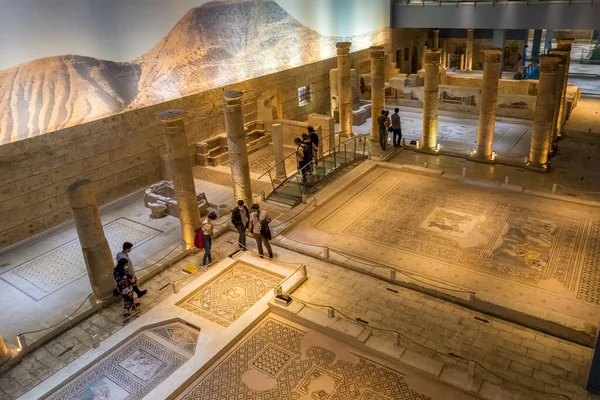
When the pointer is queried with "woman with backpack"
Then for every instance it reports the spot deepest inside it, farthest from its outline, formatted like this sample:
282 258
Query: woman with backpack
259 227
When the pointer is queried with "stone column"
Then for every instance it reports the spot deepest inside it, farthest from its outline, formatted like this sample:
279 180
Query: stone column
180 167
436 38
236 143
541 136
422 56
469 52
444 54
344 87
277 134
564 45
487 103
548 39
559 105
96 252
377 88
430 99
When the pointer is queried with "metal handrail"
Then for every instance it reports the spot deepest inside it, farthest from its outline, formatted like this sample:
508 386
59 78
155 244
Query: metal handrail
280 162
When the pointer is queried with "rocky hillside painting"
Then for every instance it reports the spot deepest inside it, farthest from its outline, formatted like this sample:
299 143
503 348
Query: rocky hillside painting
217 44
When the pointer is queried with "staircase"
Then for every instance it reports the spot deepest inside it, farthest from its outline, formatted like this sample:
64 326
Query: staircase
291 190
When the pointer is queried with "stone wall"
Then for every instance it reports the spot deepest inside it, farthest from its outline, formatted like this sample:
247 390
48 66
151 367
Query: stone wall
505 86
122 154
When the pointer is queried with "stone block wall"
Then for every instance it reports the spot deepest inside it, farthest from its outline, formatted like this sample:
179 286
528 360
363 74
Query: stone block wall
122 154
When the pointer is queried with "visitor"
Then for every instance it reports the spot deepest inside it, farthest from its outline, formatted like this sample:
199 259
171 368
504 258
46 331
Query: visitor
240 217
259 227
208 231
309 150
127 247
397 128
300 156
125 284
314 138
381 121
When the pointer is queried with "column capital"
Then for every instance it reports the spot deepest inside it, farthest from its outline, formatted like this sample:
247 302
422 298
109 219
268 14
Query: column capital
343 48
232 100
549 63
565 43
377 51
563 54
435 30
492 56
169 116
432 56
470 30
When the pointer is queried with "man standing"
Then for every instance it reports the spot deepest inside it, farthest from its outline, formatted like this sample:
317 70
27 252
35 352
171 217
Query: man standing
127 247
259 227
300 156
314 138
383 134
240 217
397 128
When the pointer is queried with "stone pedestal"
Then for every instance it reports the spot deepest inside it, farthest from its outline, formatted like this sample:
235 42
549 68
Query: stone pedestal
541 136
180 168
564 45
487 103
377 88
560 89
344 87
5 353
236 143
469 51
431 99
277 136
96 252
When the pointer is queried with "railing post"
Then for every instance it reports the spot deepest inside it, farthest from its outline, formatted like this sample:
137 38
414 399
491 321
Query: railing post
345 151
271 178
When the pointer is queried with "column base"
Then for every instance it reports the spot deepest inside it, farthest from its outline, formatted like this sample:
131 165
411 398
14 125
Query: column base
538 168
483 160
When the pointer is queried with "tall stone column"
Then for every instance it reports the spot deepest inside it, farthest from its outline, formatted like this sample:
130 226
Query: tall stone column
436 38
469 51
444 54
559 105
422 59
430 99
541 136
487 103
180 167
277 135
96 252
377 88
344 87
236 142
537 44
564 45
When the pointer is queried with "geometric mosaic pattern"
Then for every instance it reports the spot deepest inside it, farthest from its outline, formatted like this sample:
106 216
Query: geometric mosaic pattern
478 232
225 298
130 372
49 272
180 335
316 373
271 360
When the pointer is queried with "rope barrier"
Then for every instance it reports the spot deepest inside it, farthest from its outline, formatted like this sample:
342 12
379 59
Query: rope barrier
451 354
576 190
61 321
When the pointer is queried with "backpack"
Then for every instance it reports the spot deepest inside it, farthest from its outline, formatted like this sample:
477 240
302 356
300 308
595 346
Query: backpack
199 239
307 147
265 230
314 137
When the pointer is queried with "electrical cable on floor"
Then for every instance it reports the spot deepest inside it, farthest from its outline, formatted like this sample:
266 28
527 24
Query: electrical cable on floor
61 321
451 354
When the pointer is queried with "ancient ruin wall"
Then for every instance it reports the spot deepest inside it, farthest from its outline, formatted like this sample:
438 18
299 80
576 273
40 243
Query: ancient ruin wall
122 154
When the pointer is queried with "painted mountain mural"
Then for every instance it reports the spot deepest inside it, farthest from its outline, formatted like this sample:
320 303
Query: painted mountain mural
216 44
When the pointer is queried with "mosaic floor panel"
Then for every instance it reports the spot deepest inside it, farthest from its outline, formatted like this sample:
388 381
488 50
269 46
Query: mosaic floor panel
225 298
136 367
448 231
281 361
51 271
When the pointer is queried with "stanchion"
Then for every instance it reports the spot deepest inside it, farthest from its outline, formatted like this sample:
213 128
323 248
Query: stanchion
330 312
175 288
21 342
425 164
393 275
326 253
396 339
464 172
554 187
506 179
471 369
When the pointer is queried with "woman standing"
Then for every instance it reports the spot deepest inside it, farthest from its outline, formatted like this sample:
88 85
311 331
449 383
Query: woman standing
207 228
259 227
125 286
